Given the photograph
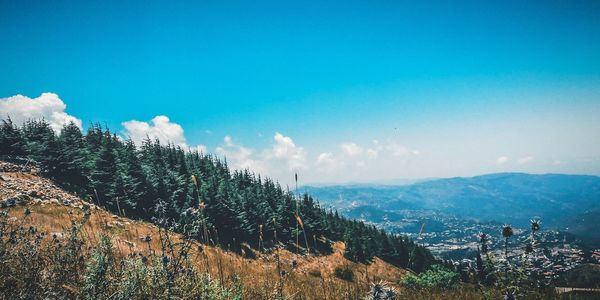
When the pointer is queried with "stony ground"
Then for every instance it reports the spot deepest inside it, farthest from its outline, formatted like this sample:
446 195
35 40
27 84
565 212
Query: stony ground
18 187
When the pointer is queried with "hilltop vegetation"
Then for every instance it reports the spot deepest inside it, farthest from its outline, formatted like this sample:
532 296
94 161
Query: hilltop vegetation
176 188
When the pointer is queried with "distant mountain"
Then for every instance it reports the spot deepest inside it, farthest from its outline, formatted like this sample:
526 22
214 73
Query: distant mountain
504 197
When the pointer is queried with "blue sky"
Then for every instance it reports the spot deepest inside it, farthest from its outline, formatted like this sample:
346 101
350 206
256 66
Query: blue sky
435 89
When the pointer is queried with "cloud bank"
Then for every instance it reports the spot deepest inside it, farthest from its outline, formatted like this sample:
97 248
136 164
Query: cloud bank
160 128
501 160
47 106
349 162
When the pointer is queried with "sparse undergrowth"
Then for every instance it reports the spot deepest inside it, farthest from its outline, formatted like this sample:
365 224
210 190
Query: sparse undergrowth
437 278
79 254
39 265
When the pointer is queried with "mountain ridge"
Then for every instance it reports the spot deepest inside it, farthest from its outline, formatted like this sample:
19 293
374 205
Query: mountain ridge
511 197
423 180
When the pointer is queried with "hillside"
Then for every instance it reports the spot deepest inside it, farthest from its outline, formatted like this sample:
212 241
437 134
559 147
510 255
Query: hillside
196 193
52 210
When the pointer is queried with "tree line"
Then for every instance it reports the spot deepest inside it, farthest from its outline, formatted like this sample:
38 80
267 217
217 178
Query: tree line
174 187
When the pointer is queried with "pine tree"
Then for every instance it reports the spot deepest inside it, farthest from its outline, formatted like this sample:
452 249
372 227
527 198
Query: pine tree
73 158
132 187
104 173
42 146
12 142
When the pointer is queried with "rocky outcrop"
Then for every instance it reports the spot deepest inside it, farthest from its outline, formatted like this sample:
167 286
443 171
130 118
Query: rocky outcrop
6 167
20 187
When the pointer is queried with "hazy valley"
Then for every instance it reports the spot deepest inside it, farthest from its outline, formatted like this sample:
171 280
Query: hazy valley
457 209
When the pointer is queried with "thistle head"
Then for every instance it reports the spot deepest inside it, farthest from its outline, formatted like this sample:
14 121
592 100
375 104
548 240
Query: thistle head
190 211
161 208
483 238
507 231
381 291
509 296
535 225
529 248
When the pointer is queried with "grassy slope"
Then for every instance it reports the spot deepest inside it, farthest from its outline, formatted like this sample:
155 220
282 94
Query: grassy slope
259 276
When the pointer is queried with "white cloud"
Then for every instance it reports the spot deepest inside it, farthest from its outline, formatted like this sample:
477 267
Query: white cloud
240 157
398 150
351 149
161 128
372 153
228 140
325 158
326 162
47 106
285 149
524 160
280 160
200 148
501 160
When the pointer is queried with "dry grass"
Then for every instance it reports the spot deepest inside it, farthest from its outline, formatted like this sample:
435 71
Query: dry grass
259 276
303 277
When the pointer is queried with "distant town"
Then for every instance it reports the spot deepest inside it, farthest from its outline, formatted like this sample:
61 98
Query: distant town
554 253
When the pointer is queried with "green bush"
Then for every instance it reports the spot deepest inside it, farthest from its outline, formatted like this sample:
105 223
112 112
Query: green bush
344 273
315 273
438 277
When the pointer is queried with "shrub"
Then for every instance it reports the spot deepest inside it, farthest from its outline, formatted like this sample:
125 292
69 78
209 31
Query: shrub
37 265
344 273
314 273
101 260
438 277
